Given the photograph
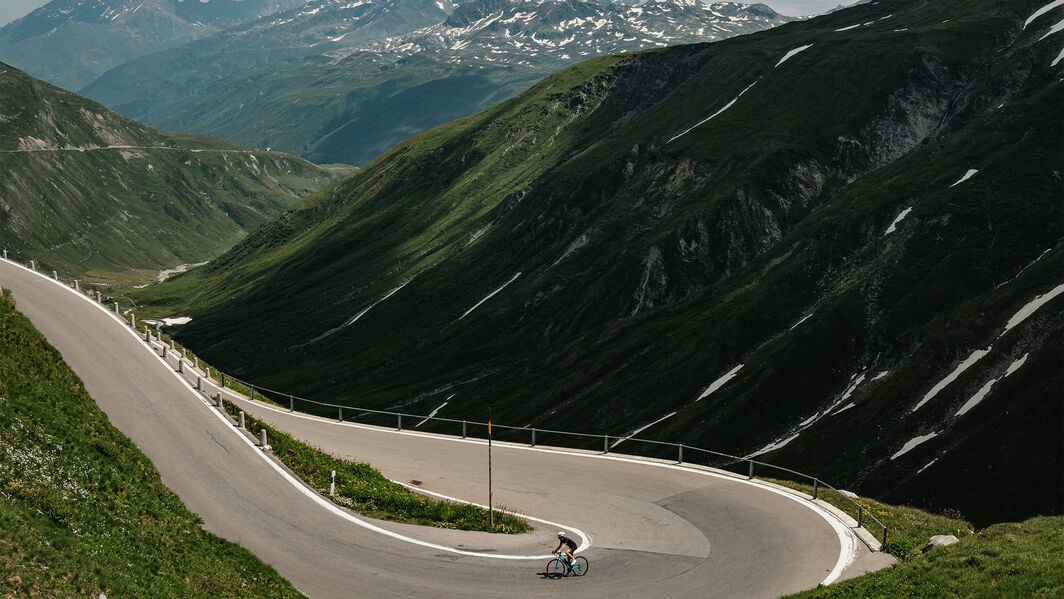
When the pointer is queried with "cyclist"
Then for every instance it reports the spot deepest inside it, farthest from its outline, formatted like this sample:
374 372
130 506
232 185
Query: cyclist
567 545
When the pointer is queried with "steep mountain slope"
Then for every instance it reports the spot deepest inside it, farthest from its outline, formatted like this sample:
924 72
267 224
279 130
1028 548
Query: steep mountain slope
835 244
85 191
70 43
343 82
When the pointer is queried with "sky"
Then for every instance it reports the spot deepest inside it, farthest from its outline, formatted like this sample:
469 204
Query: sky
15 9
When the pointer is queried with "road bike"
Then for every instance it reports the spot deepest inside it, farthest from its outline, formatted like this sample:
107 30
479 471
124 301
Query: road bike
559 566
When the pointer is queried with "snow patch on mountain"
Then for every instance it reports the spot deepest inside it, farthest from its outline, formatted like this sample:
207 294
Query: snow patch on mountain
793 53
715 114
894 225
773 446
354 318
957 372
720 382
1054 29
913 443
1033 307
489 296
968 175
641 429
1042 11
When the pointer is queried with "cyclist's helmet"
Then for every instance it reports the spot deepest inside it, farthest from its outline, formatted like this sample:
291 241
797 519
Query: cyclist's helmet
561 534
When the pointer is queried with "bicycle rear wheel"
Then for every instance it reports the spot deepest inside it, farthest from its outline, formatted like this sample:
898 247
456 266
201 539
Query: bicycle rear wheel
556 569
579 566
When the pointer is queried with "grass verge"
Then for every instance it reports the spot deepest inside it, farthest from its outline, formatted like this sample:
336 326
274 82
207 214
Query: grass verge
1021 560
82 510
365 490
908 529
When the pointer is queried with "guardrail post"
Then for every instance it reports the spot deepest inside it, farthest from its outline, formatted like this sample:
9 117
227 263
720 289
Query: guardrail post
196 360
751 474
76 286
240 419
132 320
99 297
860 515
199 383
207 371
222 374
33 266
340 413
147 334
533 437
252 396
262 440
606 444
55 275
463 429
291 403
399 424
679 460
116 307
180 364
884 536
162 352
5 254
816 488
172 346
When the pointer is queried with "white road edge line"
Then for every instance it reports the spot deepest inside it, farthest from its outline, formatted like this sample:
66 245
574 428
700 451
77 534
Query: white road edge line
847 538
295 482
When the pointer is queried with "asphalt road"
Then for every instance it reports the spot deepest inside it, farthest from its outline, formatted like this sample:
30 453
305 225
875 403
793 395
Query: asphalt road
648 529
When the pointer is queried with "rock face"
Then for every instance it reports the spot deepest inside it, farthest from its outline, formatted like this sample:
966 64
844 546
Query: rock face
818 261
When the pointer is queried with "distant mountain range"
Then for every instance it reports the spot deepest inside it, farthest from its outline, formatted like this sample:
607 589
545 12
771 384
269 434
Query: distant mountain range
835 245
92 194
70 43
342 81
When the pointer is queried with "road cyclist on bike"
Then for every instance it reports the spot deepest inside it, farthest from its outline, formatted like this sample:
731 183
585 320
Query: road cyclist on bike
567 545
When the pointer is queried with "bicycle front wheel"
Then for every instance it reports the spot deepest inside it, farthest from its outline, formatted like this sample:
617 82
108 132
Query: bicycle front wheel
579 565
556 569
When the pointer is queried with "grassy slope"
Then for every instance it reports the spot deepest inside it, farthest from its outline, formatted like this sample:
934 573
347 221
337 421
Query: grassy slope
1011 560
81 509
126 213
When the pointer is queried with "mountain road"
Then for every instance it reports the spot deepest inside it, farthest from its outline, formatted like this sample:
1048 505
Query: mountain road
648 528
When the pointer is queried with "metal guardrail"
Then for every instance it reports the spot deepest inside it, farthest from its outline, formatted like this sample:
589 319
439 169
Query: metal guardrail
344 413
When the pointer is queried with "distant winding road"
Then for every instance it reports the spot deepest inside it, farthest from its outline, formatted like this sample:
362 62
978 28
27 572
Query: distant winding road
650 529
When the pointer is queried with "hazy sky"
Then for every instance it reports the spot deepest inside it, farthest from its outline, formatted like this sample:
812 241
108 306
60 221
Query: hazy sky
15 9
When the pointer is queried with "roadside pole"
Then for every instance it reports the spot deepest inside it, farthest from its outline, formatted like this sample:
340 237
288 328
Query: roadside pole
491 509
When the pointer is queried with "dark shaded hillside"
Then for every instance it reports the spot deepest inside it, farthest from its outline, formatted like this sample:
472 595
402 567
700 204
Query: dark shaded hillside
817 244
90 193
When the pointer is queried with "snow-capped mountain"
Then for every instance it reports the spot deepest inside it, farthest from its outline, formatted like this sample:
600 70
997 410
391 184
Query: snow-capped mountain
70 43
533 30
342 80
